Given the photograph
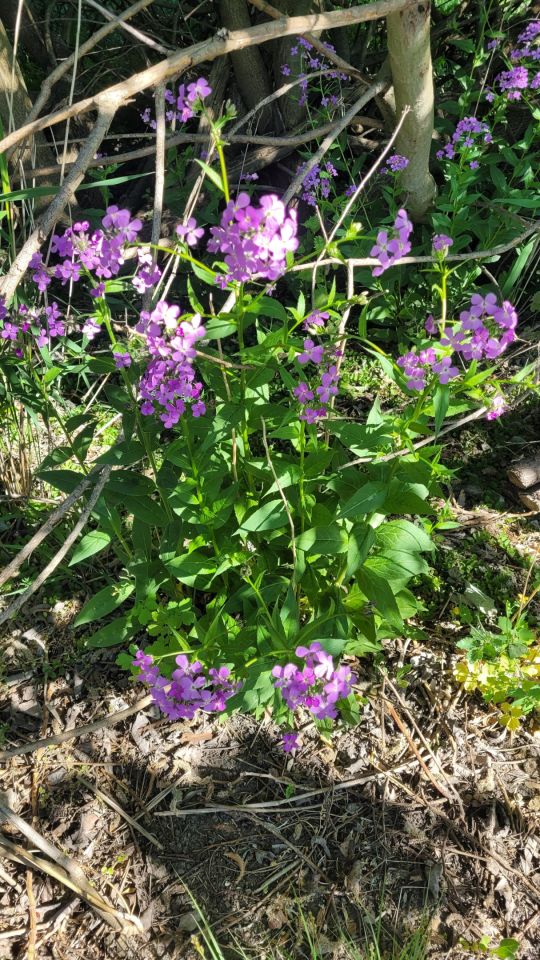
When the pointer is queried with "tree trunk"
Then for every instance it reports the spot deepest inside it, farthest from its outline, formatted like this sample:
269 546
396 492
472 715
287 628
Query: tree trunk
410 61
248 64
15 104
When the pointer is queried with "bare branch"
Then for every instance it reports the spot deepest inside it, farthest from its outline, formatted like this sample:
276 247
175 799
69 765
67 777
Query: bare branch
206 51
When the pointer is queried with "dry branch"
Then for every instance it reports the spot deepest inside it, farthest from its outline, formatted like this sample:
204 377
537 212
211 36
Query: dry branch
19 601
109 101
206 51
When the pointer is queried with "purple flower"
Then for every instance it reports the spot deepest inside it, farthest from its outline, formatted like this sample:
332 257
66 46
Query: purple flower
198 90
190 232
91 328
302 393
474 164
316 320
311 415
318 686
311 353
498 406
442 243
67 271
388 251
121 359
430 325
286 70
396 162
289 742
9 331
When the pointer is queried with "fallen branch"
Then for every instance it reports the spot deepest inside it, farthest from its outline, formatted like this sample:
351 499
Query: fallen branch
19 601
73 732
50 523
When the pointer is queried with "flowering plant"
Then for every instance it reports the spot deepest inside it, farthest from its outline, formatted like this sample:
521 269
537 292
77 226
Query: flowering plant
267 535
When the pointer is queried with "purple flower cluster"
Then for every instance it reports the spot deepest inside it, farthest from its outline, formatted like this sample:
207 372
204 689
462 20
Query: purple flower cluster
511 83
30 325
309 59
466 137
82 252
168 382
395 164
317 182
189 688
325 386
255 240
318 686
484 331
388 251
182 106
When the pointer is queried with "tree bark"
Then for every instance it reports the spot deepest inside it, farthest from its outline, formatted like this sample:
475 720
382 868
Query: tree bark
412 73
248 65
15 104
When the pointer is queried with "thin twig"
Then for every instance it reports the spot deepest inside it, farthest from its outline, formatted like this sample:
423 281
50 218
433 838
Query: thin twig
19 601
340 125
118 21
114 805
159 183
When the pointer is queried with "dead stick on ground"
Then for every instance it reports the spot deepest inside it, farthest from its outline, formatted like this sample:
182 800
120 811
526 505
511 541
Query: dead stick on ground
119 921
19 601
73 732
52 520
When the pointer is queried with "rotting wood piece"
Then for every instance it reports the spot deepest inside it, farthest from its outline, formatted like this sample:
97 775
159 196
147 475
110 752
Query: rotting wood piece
531 498
525 473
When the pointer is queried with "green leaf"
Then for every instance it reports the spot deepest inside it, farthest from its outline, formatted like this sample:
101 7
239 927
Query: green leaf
91 543
123 454
323 540
212 174
193 569
441 401
380 594
361 539
361 439
271 516
403 535
367 499
104 603
268 307
118 631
